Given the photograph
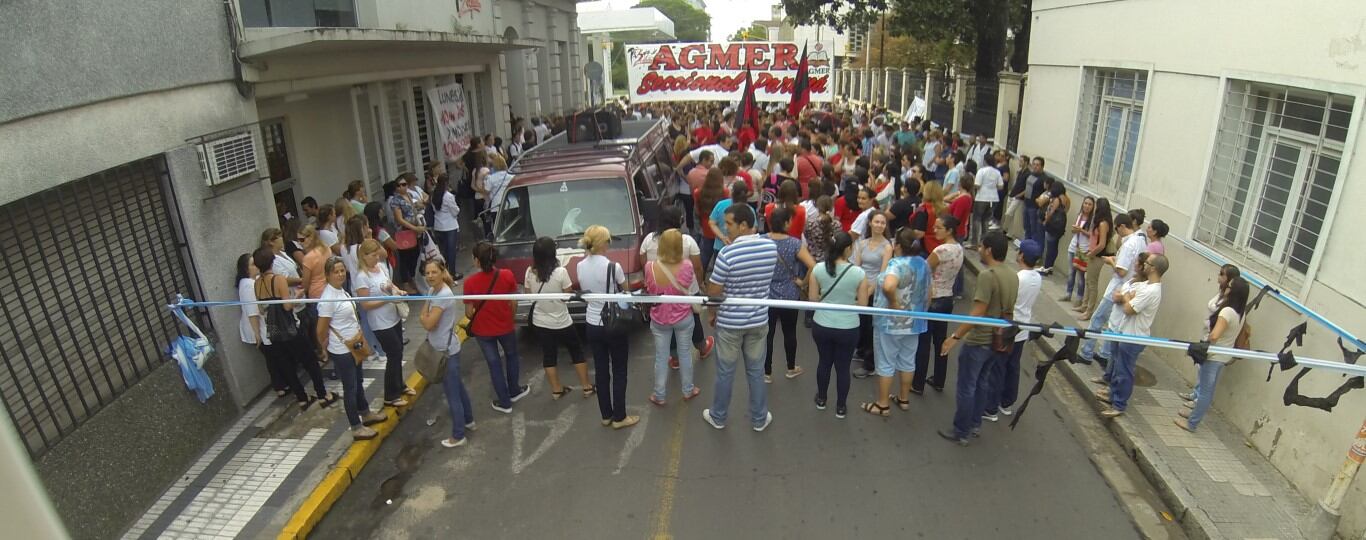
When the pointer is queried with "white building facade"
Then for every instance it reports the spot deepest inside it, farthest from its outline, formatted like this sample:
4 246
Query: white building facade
1240 128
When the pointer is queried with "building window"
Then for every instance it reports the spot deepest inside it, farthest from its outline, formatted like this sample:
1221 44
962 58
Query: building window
1272 177
1108 120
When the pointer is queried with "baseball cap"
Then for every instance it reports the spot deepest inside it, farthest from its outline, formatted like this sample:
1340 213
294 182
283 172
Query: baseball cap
1031 250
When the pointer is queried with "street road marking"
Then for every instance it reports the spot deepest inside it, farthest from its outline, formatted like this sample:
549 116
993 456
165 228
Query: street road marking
634 439
558 427
668 481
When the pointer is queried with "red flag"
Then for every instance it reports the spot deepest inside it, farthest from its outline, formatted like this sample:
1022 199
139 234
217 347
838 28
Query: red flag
749 115
801 89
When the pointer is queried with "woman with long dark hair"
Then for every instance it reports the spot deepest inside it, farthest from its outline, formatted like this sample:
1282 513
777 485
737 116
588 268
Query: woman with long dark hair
492 326
550 318
288 355
406 223
794 261
945 261
713 191
252 328
1077 250
871 253
1102 228
837 281
445 219
1223 328
789 195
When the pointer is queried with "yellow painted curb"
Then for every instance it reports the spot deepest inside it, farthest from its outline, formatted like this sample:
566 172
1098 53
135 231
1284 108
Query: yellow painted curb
339 478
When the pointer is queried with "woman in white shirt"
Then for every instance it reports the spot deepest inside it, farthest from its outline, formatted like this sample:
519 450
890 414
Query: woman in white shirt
1224 326
327 228
438 317
339 321
252 327
446 219
610 352
550 318
376 279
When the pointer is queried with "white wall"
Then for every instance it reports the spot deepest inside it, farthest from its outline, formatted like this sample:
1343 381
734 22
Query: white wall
1189 46
322 142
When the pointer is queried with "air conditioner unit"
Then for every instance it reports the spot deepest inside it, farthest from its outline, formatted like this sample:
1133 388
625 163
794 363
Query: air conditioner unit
228 158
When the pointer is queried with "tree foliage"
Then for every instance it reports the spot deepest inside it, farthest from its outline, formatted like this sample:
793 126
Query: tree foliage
757 32
979 24
690 23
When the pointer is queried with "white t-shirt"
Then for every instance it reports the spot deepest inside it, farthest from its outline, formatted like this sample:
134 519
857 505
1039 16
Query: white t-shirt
344 321
377 284
448 216
650 247
350 256
861 222
988 181
717 152
1146 299
442 337
285 266
1130 248
497 184
760 161
329 238
1030 283
549 314
246 292
592 271
1230 335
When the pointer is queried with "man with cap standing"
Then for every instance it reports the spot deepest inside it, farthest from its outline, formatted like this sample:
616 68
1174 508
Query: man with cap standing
1005 374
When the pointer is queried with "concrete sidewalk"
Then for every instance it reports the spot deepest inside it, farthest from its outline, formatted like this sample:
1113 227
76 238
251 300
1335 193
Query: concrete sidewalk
1218 486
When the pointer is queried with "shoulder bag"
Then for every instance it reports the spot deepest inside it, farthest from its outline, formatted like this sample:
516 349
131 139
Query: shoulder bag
696 308
431 363
799 282
1003 339
480 308
531 313
281 325
618 318
360 349
809 318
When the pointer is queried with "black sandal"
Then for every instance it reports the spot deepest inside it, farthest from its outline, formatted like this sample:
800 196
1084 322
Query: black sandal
563 391
304 405
331 398
874 408
905 405
588 391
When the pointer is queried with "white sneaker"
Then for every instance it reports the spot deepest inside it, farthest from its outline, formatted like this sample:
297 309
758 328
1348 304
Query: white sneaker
448 444
767 420
521 393
706 415
470 426
1007 411
501 409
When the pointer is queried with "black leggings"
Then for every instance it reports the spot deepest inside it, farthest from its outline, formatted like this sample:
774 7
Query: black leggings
287 357
934 338
865 339
788 318
553 338
407 264
391 342
609 371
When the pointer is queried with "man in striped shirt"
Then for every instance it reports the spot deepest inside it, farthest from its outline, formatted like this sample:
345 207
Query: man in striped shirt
743 269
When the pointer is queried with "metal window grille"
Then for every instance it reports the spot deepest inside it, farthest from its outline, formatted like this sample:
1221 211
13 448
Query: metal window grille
86 269
424 140
276 149
1108 120
1272 177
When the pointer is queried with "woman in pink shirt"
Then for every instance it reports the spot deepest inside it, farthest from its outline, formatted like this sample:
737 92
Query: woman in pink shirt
671 274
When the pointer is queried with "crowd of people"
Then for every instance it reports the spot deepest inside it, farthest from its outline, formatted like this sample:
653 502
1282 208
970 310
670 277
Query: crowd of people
847 207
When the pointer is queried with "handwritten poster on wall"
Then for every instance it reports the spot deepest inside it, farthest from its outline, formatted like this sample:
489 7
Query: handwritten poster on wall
452 119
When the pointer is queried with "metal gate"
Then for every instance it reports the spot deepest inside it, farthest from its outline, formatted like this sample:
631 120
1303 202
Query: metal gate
86 269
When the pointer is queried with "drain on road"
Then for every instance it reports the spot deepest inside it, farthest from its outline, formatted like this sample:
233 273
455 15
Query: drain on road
408 460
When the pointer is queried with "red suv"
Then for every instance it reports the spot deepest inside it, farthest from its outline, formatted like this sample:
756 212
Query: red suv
558 189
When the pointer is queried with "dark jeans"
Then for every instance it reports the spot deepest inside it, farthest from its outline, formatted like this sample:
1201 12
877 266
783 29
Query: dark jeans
1076 280
1005 381
933 339
291 354
708 248
835 347
553 338
1032 226
391 340
685 201
609 365
353 387
788 318
278 379
503 369
449 244
1050 250
973 387
457 397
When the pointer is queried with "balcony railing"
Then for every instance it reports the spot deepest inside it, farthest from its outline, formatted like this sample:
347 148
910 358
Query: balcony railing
298 13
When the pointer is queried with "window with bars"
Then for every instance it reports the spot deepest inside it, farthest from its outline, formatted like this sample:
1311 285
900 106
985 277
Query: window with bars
1108 121
1272 177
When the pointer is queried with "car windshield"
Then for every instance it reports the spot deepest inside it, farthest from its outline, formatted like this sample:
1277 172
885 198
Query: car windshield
564 209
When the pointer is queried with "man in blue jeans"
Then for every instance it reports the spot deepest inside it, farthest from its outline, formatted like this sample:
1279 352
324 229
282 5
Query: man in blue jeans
743 269
997 288
1139 301
1124 260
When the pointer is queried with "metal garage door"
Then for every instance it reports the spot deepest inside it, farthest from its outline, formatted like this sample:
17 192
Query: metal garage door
86 269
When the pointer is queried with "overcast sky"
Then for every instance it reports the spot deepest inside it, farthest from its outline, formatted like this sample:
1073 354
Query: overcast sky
727 16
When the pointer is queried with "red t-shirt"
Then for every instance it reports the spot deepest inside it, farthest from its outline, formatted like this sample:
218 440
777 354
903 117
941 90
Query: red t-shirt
846 215
808 167
961 208
930 242
795 226
702 136
494 317
704 214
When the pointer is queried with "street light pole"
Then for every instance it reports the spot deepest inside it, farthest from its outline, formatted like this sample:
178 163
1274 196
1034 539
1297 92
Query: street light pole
1322 520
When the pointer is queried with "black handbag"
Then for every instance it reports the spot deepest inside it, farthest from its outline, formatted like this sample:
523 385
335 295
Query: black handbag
281 326
619 319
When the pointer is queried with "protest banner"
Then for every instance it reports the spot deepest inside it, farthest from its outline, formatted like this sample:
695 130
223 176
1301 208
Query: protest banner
452 119
716 71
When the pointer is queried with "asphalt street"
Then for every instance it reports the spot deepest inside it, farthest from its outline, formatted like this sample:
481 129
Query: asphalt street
550 470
